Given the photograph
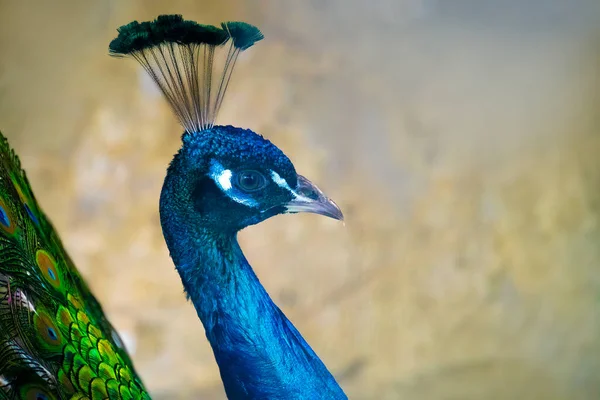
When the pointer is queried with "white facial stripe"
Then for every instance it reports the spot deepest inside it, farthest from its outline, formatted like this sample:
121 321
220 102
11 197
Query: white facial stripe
233 195
282 183
222 178
279 181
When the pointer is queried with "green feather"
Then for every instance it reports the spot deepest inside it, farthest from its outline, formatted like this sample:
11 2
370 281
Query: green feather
125 393
112 386
94 358
98 389
85 345
85 375
55 340
106 372
50 340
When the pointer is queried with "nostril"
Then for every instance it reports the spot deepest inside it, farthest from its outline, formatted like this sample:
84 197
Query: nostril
306 189
309 192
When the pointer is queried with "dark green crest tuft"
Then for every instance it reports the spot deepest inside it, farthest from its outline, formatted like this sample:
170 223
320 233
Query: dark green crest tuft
132 37
136 36
179 55
242 34
173 28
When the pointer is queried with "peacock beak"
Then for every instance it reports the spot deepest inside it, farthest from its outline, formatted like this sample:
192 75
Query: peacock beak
309 198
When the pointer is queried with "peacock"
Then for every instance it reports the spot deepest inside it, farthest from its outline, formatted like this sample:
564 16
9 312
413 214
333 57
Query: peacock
56 342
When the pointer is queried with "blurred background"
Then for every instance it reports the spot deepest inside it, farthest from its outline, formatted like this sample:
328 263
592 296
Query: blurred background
461 139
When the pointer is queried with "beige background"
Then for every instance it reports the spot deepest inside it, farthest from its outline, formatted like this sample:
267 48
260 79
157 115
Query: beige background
461 139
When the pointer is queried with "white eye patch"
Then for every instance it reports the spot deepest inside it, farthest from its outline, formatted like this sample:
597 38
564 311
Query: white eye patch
282 183
222 178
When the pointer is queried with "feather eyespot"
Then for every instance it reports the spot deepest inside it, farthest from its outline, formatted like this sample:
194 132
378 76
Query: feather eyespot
52 333
6 221
48 330
36 393
31 214
48 267
26 202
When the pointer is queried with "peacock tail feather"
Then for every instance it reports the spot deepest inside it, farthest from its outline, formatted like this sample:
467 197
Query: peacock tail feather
55 341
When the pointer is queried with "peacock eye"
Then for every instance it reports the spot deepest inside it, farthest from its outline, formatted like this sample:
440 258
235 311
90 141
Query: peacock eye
250 181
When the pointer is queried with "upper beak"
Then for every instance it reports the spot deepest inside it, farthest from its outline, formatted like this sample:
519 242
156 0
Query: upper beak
309 198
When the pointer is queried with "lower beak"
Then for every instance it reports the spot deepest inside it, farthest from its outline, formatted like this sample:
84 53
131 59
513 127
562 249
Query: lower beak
309 198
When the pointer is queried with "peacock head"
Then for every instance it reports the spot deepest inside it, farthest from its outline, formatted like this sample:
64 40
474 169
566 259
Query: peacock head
223 178
241 179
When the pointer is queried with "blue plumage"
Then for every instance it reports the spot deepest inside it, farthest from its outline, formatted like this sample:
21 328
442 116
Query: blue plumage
260 353
222 180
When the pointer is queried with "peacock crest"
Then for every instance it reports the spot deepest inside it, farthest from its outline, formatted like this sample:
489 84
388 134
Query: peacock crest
179 55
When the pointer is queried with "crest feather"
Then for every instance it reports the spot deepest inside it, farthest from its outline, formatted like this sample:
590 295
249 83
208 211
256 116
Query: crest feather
179 56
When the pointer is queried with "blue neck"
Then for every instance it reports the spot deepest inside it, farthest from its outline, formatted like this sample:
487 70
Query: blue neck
260 353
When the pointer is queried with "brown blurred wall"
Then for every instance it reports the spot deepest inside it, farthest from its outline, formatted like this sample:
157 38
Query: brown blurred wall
460 138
